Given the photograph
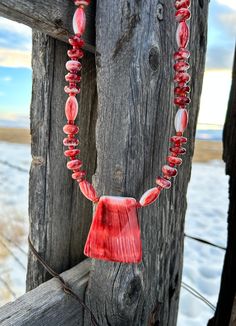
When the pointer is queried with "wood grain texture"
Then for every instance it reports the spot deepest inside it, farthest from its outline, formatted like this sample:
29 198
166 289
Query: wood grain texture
134 45
49 16
59 215
48 304
228 281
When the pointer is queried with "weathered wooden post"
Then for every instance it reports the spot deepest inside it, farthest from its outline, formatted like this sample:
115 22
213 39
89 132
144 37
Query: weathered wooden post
134 119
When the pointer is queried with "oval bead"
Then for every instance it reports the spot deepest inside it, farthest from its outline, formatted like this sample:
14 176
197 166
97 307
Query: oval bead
71 152
71 108
75 53
70 141
79 175
182 14
178 150
179 140
182 100
181 54
72 78
74 165
71 90
88 191
181 120
70 129
82 2
181 66
76 41
174 160
162 182
150 196
169 171
73 65
182 91
182 4
182 35
182 78
79 21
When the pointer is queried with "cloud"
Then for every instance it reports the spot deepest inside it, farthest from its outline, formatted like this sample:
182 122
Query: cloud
15 58
7 78
229 22
228 3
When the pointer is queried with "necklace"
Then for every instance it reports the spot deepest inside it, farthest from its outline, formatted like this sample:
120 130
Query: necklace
115 233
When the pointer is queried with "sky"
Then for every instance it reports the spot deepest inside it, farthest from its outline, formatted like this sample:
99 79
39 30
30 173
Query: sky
16 74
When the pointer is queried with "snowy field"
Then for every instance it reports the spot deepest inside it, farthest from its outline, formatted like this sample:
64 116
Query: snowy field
206 218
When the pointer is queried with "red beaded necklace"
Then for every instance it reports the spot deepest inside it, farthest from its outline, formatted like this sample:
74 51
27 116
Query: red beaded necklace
115 233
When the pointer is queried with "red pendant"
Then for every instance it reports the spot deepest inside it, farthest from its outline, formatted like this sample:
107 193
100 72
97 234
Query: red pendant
115 233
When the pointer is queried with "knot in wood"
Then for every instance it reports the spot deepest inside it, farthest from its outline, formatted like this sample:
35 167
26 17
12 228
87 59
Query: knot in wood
154 58
160 11
133 291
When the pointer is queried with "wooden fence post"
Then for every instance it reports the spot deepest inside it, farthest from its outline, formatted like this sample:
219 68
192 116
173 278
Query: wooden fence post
59 215
134 46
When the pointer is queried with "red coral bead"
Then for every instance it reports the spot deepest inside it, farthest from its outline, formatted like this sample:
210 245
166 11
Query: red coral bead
74 165
71 108
79 175
182 35
162 182
181 120
72 152
174 160
70 129
178 140
76 41
182 101
82 2
79 21
182 91
70 141
75 53
182 14
169 171
181 54
178 150
150 196
72 78
73 66
88 191
182 4
182 78
181 66
72 91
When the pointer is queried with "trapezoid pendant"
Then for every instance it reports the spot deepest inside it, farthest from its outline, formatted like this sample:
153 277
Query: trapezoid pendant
115 233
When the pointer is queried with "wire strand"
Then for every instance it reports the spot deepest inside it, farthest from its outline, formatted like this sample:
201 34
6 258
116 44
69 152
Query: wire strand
204 241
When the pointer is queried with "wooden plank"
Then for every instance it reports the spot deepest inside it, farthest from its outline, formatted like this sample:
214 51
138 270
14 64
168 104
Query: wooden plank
59 215
233 314
135 120
48 304
50 17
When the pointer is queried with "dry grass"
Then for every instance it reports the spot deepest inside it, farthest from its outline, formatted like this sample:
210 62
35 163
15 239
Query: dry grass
15 135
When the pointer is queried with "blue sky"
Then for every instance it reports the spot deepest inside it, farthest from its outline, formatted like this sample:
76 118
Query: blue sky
15 58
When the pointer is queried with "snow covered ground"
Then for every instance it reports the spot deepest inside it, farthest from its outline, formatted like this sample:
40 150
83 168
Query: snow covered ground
206 218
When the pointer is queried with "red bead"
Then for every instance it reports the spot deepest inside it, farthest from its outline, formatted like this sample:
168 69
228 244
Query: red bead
88 191
169 171
72 78
70 129
74 165
162 182
115 233
182 91
71 108
79 21
174 160
182 35
181 120
70 141
75 53
82 2
72 152
150 196
178 140
73 66
182 78
79 175
181 66
182 4
182 101
72 91
181 54
76 41
178 150
182 14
